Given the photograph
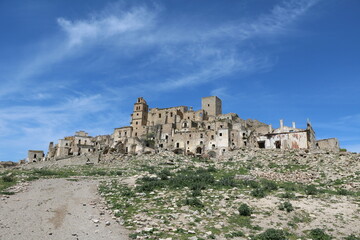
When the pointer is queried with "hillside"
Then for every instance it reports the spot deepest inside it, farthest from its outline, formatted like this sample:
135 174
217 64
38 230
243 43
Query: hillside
246 194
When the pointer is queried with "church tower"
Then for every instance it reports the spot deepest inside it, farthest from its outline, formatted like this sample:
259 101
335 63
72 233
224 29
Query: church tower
139 117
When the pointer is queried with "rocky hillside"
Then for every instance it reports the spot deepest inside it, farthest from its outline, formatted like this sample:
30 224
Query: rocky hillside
247 194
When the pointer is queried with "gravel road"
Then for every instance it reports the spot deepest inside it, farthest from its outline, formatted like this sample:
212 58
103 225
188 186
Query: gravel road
57 209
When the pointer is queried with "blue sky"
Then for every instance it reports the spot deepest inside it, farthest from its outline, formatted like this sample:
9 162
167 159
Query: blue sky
80 65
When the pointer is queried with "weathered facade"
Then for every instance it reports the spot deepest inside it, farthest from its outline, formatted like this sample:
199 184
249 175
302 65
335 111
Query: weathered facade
330 144
183 130
35 156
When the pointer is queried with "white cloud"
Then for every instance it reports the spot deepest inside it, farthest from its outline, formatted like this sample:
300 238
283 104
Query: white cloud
104 27
220 92
129 30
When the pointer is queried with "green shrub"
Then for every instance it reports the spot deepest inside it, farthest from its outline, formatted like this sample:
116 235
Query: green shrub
258 193
194 202
352 237
269 185
198 179
211 169
286 206
311 190
164 174
32 178
227 181
127 192
244 210
235 234
289 186
288 195
319 234
9 179
150 186
342 191
196 193
271 234
252 183
7 193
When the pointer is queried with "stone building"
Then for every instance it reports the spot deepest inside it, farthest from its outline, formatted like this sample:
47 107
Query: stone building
330 144
35 156
181 129
288 138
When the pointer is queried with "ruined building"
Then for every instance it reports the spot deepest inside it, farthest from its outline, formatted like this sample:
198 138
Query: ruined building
185 131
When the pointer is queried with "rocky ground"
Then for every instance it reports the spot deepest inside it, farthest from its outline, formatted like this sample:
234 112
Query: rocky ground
289 195
57 209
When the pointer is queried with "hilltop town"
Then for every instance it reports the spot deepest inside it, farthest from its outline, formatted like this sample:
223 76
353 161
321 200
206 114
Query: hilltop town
204 132
177 173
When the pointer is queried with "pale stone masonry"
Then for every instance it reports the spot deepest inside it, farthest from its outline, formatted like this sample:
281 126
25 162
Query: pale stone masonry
205 132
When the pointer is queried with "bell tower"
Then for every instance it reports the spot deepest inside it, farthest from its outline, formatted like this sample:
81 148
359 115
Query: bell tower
139 117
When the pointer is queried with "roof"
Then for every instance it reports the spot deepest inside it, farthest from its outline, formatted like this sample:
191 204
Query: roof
123 127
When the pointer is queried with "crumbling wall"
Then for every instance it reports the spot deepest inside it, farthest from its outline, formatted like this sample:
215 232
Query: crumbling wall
330 144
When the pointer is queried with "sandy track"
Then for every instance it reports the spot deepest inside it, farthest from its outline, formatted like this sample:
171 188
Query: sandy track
57 209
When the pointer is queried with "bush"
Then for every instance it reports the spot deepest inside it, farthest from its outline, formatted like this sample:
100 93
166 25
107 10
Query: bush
211 169
194 202
269 185
46 172
319 234
198 179
9 178
196 193
252 183
227 181
150 186
286 206
258 193
311 190
127 192
235 234
352 237
342 191
290 186
271 234
288 195
244 210
164 174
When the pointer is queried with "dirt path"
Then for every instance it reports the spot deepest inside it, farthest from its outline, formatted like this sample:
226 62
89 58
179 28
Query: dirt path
58 209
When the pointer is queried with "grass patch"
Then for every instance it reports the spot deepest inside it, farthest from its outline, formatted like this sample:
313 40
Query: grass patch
6 182
319 234
272 234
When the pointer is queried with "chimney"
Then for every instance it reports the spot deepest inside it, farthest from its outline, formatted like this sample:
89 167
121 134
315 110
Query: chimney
293 124
281 124
270 128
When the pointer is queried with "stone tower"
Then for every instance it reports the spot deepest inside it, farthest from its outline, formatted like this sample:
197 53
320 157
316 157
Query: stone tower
212 105
139 117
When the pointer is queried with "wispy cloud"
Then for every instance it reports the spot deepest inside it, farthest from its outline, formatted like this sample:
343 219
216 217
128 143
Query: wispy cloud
141 27
104 27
